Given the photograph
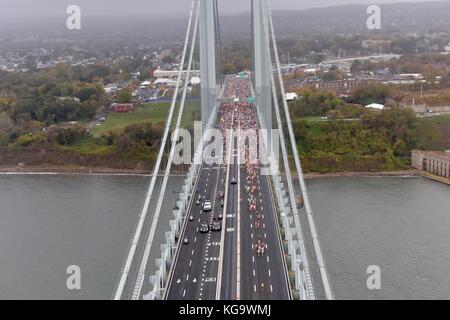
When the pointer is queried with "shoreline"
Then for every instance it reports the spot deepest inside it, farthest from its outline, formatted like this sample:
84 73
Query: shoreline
54 170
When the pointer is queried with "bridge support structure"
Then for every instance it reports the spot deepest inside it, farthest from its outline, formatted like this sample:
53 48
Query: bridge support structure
261 68
208 72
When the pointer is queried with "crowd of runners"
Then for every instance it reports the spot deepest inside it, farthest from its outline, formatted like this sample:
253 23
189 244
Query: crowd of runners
238 113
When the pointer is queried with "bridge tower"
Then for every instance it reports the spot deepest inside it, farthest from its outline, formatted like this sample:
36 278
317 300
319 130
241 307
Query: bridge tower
208 49
262 67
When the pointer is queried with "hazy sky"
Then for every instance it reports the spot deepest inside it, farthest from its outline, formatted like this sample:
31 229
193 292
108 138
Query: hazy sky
42 8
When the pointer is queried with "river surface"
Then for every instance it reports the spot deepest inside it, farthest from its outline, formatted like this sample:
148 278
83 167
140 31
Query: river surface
50 222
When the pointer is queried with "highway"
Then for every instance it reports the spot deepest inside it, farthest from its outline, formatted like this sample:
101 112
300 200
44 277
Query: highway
225 264
195 272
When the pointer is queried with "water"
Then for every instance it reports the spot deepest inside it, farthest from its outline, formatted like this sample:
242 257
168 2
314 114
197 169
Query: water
50 222
401 225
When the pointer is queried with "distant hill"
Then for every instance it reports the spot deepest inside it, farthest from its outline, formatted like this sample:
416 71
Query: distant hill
348 19
403 17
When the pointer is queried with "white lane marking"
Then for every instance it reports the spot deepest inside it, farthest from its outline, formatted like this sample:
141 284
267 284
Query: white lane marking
190 263
270 273
254 273
251 235
193 250
184 293
254 288
268 260
271 288
187 277
253 259
195 239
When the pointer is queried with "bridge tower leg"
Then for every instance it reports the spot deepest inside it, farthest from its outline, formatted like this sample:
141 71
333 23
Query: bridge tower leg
262 67
208 75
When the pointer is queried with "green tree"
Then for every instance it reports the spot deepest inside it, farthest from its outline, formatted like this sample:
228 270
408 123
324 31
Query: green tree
124 96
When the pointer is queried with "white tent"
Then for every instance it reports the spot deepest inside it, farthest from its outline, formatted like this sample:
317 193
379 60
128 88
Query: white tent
195 80
375 106
291 96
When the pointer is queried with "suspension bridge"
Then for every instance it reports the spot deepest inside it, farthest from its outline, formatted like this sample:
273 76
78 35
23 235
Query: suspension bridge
242 227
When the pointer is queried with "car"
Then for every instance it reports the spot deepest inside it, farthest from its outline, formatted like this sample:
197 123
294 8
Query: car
186 241
204 228
233 181
198 202
220 217
216 225
222 203
207 206
191 218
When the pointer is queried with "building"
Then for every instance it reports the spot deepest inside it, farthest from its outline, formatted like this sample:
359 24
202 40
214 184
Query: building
340 87
174 73
122 107
377 44
434 162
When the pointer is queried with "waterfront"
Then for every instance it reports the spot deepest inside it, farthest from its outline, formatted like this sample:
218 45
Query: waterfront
48 222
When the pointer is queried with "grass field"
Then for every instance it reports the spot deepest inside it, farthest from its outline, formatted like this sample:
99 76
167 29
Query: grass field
153 112
433 133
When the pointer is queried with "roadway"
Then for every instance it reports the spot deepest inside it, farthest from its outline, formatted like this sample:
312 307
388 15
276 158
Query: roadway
224 265
194 276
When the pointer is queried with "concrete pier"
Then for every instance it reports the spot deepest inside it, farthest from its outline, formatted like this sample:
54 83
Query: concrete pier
432 164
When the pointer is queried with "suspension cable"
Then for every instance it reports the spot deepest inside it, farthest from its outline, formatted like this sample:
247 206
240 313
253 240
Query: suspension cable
175 137
307 280
312 226
143 215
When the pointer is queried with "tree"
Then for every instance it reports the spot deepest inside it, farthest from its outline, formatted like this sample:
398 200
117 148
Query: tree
124 96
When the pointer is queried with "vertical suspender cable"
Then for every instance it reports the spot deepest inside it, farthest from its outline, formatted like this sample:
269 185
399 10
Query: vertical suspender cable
310 295
312 226
148 246
132 250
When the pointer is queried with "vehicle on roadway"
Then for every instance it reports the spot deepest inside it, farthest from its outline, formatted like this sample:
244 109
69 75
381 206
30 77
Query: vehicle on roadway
204 228
186 241
233 181
198 202
220 217
207 206
222 203
216 225
191 218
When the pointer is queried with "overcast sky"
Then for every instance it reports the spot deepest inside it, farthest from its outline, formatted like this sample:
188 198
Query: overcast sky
42 8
